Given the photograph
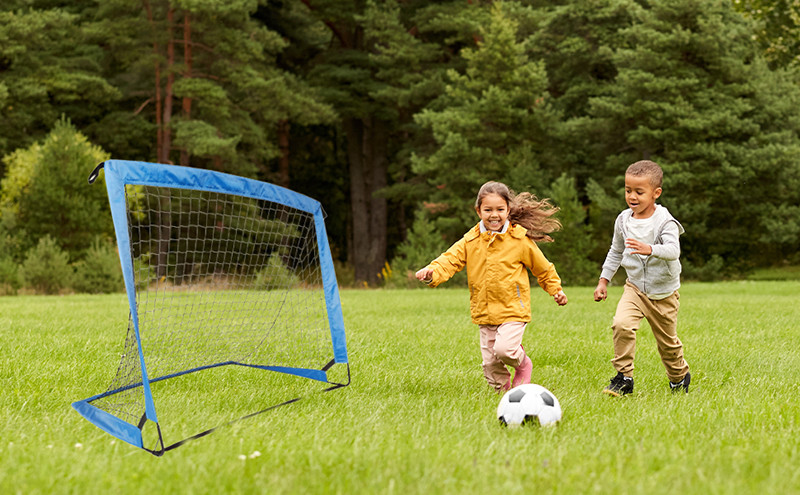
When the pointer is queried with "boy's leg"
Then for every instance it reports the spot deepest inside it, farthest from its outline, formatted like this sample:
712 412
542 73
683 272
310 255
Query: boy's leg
663 318
494 370
626 322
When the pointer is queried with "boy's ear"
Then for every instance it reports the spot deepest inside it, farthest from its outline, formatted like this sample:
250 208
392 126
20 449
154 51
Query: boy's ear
657 192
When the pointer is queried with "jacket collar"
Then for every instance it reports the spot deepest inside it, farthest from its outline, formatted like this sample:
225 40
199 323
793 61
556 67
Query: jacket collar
514 230
484 229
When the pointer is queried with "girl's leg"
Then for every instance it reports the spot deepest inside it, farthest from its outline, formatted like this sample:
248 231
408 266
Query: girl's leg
494 370
508 349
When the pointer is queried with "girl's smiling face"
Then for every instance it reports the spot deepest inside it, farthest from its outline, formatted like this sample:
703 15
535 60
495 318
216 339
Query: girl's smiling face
493 211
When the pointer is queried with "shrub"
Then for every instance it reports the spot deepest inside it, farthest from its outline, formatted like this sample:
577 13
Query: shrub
275 275
99 272
423 244
46 268
573 243
9 276
710 270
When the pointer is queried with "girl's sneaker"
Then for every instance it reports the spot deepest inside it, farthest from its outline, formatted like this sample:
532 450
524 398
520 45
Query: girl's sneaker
522 374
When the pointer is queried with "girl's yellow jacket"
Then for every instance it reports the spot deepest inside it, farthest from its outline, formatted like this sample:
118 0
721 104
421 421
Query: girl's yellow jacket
499 290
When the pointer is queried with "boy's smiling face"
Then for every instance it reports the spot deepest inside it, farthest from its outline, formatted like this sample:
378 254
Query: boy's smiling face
641 195
493 212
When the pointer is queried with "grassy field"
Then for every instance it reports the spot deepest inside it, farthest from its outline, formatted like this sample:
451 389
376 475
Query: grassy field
418 417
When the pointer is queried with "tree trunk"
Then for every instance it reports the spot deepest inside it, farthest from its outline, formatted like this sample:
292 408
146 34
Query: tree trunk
378 208
366 149
166 142
157 76
186 103
284 128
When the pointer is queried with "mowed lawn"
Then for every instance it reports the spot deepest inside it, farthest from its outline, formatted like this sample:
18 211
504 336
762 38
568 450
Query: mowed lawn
418 417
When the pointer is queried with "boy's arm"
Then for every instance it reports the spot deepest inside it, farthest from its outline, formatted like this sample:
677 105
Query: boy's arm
615 252
448 263
611 263
670 247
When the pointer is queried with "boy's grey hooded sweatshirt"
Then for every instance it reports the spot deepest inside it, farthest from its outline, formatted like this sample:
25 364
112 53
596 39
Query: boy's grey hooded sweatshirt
658 273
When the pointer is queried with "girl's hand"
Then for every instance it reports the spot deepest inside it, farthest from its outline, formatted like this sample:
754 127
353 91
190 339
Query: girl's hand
560 298
424 275
638 247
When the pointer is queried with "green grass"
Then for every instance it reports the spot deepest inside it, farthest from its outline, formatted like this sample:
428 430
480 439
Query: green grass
418 417
791 272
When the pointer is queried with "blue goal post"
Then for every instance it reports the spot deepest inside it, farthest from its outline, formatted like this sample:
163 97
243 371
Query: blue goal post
219 270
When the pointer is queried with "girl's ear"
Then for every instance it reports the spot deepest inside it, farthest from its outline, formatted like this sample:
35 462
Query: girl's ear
478 211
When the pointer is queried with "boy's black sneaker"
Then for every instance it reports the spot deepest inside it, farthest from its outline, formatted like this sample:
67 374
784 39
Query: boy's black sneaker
620 385
683 384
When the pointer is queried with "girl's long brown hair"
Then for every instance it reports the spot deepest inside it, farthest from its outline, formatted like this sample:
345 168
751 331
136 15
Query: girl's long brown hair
526 210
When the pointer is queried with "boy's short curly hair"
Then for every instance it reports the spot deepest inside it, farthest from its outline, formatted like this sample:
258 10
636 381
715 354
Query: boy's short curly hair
649 169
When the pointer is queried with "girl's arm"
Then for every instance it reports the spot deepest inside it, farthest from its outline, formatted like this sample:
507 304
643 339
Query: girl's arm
446 265
543 270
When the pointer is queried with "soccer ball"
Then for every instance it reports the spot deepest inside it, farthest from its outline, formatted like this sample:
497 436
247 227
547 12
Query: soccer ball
526 403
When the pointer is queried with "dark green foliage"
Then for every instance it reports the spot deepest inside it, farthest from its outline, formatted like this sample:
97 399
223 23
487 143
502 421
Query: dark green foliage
46 268
49 67
377 108
9 275
99 272
573 243
275 275
491 114
778 29
692 94
57 201
423 244
202 226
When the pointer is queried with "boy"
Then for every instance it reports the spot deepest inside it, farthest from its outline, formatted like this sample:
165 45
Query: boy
646 244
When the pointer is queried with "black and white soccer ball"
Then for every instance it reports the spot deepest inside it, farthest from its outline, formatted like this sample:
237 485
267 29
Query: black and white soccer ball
527 404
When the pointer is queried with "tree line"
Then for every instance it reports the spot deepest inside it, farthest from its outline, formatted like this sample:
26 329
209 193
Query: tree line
393 113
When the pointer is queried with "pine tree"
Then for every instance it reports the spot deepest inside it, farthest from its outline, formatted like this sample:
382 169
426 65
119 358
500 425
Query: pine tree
493 118
48 67
693 94
55 199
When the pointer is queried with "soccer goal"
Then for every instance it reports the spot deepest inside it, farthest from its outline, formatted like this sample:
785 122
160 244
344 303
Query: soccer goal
221 272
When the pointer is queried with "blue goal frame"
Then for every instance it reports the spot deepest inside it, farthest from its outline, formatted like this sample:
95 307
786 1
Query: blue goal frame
120 173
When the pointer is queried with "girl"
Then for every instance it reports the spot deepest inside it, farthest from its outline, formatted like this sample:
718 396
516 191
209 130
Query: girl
496 252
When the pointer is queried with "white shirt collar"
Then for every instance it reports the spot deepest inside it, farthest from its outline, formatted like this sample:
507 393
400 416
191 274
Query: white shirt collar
503 231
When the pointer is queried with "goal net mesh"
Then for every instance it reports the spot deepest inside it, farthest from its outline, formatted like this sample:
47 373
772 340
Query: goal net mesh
219 279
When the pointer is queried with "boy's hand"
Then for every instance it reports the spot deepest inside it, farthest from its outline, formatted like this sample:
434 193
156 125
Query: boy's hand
424 275
560 298
639 247
601 291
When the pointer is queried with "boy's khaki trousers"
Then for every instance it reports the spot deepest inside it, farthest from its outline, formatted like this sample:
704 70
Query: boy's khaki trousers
663 318
501 345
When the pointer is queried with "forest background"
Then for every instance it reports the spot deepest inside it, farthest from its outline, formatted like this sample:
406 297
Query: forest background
393 113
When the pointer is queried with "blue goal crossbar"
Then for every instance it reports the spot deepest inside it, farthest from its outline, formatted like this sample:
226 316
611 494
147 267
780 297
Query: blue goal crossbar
120 173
